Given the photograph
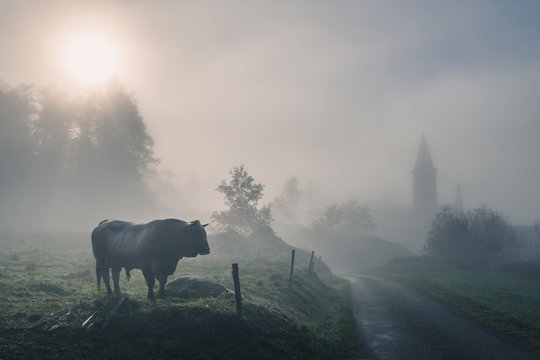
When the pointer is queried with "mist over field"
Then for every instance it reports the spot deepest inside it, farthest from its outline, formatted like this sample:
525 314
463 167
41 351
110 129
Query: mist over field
269 179
337 95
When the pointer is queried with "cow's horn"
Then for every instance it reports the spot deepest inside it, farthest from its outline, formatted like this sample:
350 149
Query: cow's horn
205 225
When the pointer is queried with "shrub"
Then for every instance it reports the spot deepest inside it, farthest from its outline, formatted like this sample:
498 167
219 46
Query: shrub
477 237
242 196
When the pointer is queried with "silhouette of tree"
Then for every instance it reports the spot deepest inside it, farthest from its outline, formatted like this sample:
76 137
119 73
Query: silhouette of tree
113 152
16 148
242 196
17 109
69 156
350 216
287 205
537 227
477 237
121 135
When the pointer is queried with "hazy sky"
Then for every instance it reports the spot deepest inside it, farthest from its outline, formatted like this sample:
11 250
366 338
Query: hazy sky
337 93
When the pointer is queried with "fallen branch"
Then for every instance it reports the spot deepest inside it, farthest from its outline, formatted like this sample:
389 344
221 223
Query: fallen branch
59 316
88 323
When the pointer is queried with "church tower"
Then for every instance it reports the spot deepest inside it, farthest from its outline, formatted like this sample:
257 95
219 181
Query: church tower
424 184
459 200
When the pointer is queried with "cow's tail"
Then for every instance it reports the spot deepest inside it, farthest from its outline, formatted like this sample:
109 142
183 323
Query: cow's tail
98 277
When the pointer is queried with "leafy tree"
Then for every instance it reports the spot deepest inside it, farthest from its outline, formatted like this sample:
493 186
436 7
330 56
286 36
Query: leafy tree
123 143
16 112
110 135
51 131
450 235
112 152
287 205
477 237
72 157
17 109
537 227
351 216
242 196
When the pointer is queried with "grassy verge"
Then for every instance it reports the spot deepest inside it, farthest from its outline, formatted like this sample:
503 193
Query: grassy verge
311 318
496 299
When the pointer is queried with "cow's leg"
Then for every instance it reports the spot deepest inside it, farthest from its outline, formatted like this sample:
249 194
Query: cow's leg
149 277
163 271
116 279
99 275
106 279
162 281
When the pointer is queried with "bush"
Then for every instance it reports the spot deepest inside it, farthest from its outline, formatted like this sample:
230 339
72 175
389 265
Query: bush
477 237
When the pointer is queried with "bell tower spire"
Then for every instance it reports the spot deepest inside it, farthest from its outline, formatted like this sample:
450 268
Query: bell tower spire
459 200
424 183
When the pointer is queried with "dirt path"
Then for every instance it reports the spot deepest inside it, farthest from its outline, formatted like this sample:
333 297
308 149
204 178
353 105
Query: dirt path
398 322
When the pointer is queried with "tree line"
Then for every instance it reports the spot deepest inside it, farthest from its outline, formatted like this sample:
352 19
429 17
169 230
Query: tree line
67 162
70 160
242 194
478 237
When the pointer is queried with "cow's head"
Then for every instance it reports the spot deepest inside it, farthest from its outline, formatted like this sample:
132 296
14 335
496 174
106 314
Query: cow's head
199 242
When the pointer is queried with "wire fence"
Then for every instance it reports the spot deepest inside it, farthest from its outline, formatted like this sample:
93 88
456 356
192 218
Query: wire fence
92 265
31 263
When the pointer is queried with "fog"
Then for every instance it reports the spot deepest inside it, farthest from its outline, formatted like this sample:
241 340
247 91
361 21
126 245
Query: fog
337 94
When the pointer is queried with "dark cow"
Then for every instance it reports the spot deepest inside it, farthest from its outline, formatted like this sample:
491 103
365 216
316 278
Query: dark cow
155 248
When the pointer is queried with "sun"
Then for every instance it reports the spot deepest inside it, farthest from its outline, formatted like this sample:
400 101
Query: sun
90 58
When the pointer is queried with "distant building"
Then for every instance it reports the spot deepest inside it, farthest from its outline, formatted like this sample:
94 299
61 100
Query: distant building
410 225
458 206
424 183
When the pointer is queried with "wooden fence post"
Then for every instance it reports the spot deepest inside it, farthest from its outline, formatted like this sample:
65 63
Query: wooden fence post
292 267
311 261
237 294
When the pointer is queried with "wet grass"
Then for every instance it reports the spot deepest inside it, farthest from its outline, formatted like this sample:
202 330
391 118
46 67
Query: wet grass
309 318
497 299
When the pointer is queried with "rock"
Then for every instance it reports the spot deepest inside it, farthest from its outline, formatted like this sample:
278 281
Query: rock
194 287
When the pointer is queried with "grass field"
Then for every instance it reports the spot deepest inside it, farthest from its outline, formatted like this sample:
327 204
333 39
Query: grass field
503 301
44 274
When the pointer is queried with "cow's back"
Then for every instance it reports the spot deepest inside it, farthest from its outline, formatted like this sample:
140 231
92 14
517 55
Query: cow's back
158 240
104 236
120 243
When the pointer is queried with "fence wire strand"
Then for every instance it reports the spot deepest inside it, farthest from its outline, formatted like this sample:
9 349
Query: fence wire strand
86 266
